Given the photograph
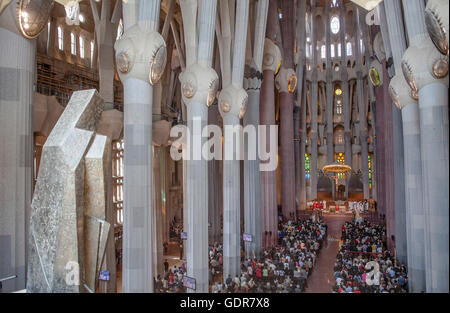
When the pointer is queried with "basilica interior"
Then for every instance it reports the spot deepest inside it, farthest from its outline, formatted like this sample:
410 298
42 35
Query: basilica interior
93 98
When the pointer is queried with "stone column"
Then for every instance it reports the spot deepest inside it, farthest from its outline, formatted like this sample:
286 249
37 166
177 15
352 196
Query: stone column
106 24
252 180
272 58
158 252
329 92
361 106
401 96
345 92
398 158
233 102
140 55
17 78
314 95
303 136
199 86
428 79
214 186
286 83
299 144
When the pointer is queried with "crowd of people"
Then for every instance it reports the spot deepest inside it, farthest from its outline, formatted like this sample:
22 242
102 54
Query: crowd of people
172 280
364 265
283 268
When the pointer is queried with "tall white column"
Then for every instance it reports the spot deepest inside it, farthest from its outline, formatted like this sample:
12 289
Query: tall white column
199 86
17 78
141 59
432 90
361 106
401 95
252 178
233 102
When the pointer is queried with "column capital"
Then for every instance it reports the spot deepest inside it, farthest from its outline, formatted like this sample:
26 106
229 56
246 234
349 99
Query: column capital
199 84
422 64
286 80
436 19
233 101
141 55
401 93
272 56
252 78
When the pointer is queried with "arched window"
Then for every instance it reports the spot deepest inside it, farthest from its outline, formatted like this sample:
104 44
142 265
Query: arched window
81 47
92 53
307 166
339 107
335 25
117 167
332 50
370 171
349 49
60 38
339 48
334 3
323 51
73 43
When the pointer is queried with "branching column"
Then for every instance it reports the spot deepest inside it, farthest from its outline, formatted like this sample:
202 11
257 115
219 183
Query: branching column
252 181
199 86
141 59
286 83
233 101
428 79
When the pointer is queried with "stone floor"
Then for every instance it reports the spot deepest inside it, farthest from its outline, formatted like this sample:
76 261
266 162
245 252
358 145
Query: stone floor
321 279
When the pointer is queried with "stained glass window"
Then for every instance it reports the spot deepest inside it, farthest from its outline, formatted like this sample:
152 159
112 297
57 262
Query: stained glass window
335 25
370 171
307 166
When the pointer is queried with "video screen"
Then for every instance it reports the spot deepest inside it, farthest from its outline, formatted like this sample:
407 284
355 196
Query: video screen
104 275
189 282
248 238
183 236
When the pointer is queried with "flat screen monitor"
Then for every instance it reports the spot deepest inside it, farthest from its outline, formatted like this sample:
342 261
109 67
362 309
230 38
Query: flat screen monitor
248 238
189 282
104 275
183 236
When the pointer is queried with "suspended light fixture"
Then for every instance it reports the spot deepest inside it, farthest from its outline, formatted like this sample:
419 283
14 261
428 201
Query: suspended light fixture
368 5
32 16
338 92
